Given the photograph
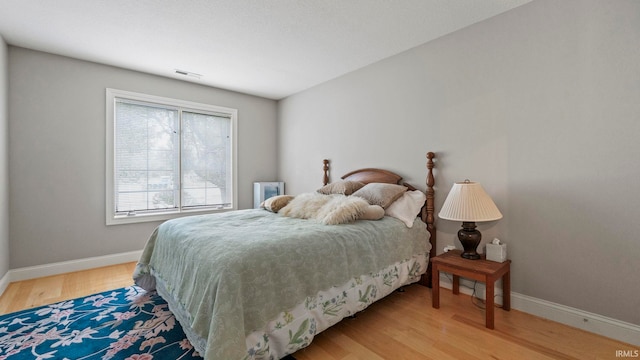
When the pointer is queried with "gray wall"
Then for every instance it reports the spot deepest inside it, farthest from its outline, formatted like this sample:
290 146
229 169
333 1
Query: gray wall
540 105
4 179
57 153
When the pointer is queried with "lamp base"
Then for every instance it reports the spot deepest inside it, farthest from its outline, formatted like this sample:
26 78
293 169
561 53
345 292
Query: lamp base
472 255
470 239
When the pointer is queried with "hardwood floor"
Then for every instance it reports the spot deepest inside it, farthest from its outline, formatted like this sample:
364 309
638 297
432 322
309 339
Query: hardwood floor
47 290
401 326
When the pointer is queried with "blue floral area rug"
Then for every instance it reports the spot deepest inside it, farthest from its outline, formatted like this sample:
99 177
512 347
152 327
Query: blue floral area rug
127 323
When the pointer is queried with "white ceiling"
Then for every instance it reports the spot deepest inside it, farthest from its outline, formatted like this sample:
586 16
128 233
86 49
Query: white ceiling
269 48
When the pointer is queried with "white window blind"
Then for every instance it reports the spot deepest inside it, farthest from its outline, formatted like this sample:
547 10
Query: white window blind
167 157
205 160
146 164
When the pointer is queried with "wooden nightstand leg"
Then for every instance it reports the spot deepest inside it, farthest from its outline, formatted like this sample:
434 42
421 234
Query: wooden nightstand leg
456 285
489 303
506 291
435 287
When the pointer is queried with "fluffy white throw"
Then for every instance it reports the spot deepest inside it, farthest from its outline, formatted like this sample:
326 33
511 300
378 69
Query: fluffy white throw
328 209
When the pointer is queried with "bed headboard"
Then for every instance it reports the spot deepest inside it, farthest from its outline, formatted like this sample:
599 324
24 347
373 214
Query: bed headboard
370 175
367 176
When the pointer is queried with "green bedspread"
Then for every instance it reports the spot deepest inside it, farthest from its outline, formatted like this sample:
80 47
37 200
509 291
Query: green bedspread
228 274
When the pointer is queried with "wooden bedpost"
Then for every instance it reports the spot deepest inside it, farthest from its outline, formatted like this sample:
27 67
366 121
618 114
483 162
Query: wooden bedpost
429 218
325 168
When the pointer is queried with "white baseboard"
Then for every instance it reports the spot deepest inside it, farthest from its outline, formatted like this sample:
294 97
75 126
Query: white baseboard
32 272
594 323
598 324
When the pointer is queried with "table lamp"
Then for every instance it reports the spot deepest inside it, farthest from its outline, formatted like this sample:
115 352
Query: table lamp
468 202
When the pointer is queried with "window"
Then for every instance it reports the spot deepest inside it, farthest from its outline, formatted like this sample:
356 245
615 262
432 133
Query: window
167 157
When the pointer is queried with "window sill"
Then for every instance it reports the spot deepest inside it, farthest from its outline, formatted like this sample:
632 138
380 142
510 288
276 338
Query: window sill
162 216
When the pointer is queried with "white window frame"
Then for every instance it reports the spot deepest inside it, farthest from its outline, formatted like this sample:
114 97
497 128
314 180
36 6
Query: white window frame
111 96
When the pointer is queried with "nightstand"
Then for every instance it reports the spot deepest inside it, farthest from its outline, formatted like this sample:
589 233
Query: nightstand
482 270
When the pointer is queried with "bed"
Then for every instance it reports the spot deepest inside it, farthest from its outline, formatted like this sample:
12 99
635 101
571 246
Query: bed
254 284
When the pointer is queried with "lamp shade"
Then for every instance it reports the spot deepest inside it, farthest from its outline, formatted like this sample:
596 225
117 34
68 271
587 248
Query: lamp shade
468 202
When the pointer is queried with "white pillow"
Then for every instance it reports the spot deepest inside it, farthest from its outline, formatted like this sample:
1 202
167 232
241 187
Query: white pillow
407 207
